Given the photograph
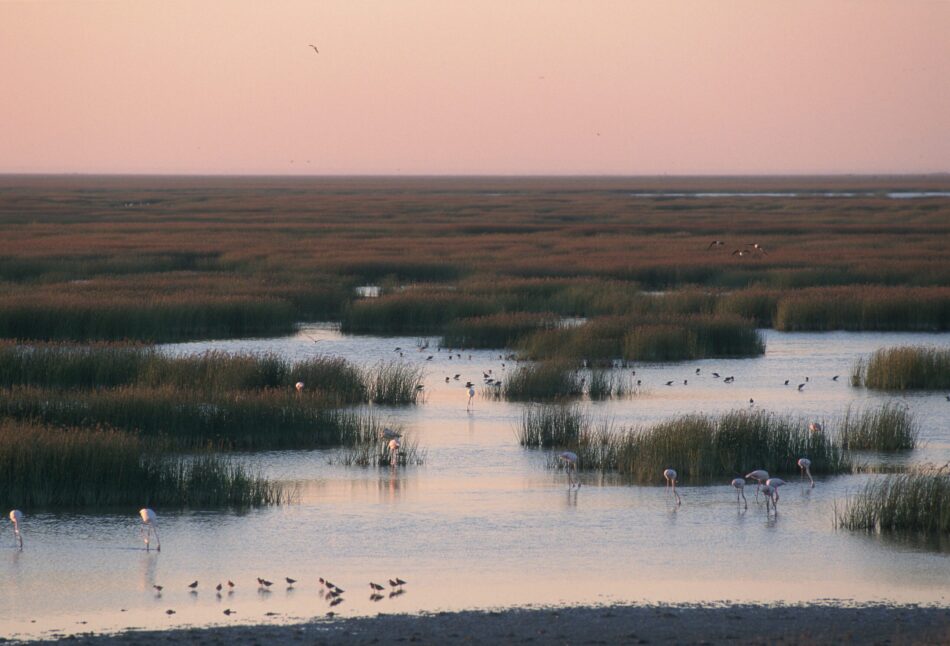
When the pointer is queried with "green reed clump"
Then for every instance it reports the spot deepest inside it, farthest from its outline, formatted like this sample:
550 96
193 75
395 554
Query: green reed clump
864 308
495 330
394 382
905 368
890 427
374 451
267 419
603 383
547 425
412 311
79 468
544 380
911 502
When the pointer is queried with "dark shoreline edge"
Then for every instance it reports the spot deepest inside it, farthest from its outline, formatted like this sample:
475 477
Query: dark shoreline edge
707 623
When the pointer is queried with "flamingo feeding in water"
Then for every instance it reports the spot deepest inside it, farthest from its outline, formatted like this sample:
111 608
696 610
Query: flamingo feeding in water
394 451
775 483
150 520
770 496
570 465
760 476
670 476
739 485
16 517
805 465
299 386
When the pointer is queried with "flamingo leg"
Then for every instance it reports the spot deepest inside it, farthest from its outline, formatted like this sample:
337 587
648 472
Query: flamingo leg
744 499
16 535
676 495
158 547
808 471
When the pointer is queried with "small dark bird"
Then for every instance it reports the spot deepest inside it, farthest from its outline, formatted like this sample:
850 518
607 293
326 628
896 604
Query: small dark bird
456 376
715 243
751 402
266 583
375 586
429 358
835 378
338 590
786 381
716 375
638 382
756 247
669 383
469 384
158 588
290 581
729 380
948 398
314 48
697 371
446 380
331 615
229 612
684 382
800 387
336 601
218 587
327 583
193 585
334 594
375 597
169 612
397 349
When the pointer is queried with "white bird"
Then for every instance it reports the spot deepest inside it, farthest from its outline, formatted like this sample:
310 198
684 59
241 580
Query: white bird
739 485
775 483
570 465
805 465
16 516
670 475
471 396
150 520
299 386
760 476
394 451
389 434
770 496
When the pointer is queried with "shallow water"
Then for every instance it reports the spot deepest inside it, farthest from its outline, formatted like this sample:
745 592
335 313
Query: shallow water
483 523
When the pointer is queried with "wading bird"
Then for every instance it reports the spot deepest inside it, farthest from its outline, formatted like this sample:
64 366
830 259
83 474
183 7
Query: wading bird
769 494
16 517
193 584
471 396
760 476
815 427
394 451
299 386
290 582
670 476
775 483
570 465
375 586
805 465
801 387
150 521
739 485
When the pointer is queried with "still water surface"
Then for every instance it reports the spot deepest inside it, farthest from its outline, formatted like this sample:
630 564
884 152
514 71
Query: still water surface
484 523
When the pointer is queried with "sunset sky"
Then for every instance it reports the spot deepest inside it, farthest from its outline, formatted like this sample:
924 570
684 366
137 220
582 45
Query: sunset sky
481 87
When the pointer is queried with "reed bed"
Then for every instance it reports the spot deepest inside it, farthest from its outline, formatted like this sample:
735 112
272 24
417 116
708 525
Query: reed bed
606 383
877 308
543 380
394 383
904 368
374 452
495 330
700 447
412 311
95 468
912 502
890 427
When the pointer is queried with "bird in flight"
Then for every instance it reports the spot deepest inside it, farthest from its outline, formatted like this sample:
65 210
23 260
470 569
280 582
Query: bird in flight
314 48
715 243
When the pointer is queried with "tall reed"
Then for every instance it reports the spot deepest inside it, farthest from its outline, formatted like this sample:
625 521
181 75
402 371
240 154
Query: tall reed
911 502
394 382
890 427
905 368
544 380
551 426
84 468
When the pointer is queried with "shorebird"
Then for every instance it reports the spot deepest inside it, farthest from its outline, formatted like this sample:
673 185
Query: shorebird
218 588
16 517
805 465
741 252
769 494
376 586
229 612
158 589
471 397
314 48
570 465
739 485
760 476
337 601
801 387
193 585
786 381
669 383
835 378
290 582
715 243
169 612
670 476
230 583
715 375
757 247
150 520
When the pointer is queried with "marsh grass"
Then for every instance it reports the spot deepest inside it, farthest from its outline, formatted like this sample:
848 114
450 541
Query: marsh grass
890 427
394 382
495 330
911 502
83 468
700 447
543 380
374 452
604 383
904 368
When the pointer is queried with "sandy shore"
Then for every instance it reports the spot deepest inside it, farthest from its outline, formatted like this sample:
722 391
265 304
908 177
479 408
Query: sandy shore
682 624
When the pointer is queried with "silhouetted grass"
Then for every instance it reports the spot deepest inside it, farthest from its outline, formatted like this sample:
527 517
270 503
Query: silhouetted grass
370 449
551 426
891 427
495 330
603 383
544 380
912 502
412 311
394 382
904 368
922 309
94 468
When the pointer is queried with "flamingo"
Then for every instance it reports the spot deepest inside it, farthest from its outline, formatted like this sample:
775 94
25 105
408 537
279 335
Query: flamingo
760 476
299 386
15 517
739 485
150 520
471 396
770 495
775 483
670 475
570 465
805 465
389 434
394 451
815 427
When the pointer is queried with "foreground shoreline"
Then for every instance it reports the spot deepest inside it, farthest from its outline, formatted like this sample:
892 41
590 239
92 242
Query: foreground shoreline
719 623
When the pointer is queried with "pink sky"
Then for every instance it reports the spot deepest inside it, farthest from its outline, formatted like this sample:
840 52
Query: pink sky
485 87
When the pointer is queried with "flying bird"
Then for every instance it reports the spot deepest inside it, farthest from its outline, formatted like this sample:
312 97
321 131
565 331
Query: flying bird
715 243
314 48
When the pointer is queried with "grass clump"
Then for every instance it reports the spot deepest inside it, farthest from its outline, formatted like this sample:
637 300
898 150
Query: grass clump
394 382
912 502
544 380
904 368
495 330
80 468
891 427
551 426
